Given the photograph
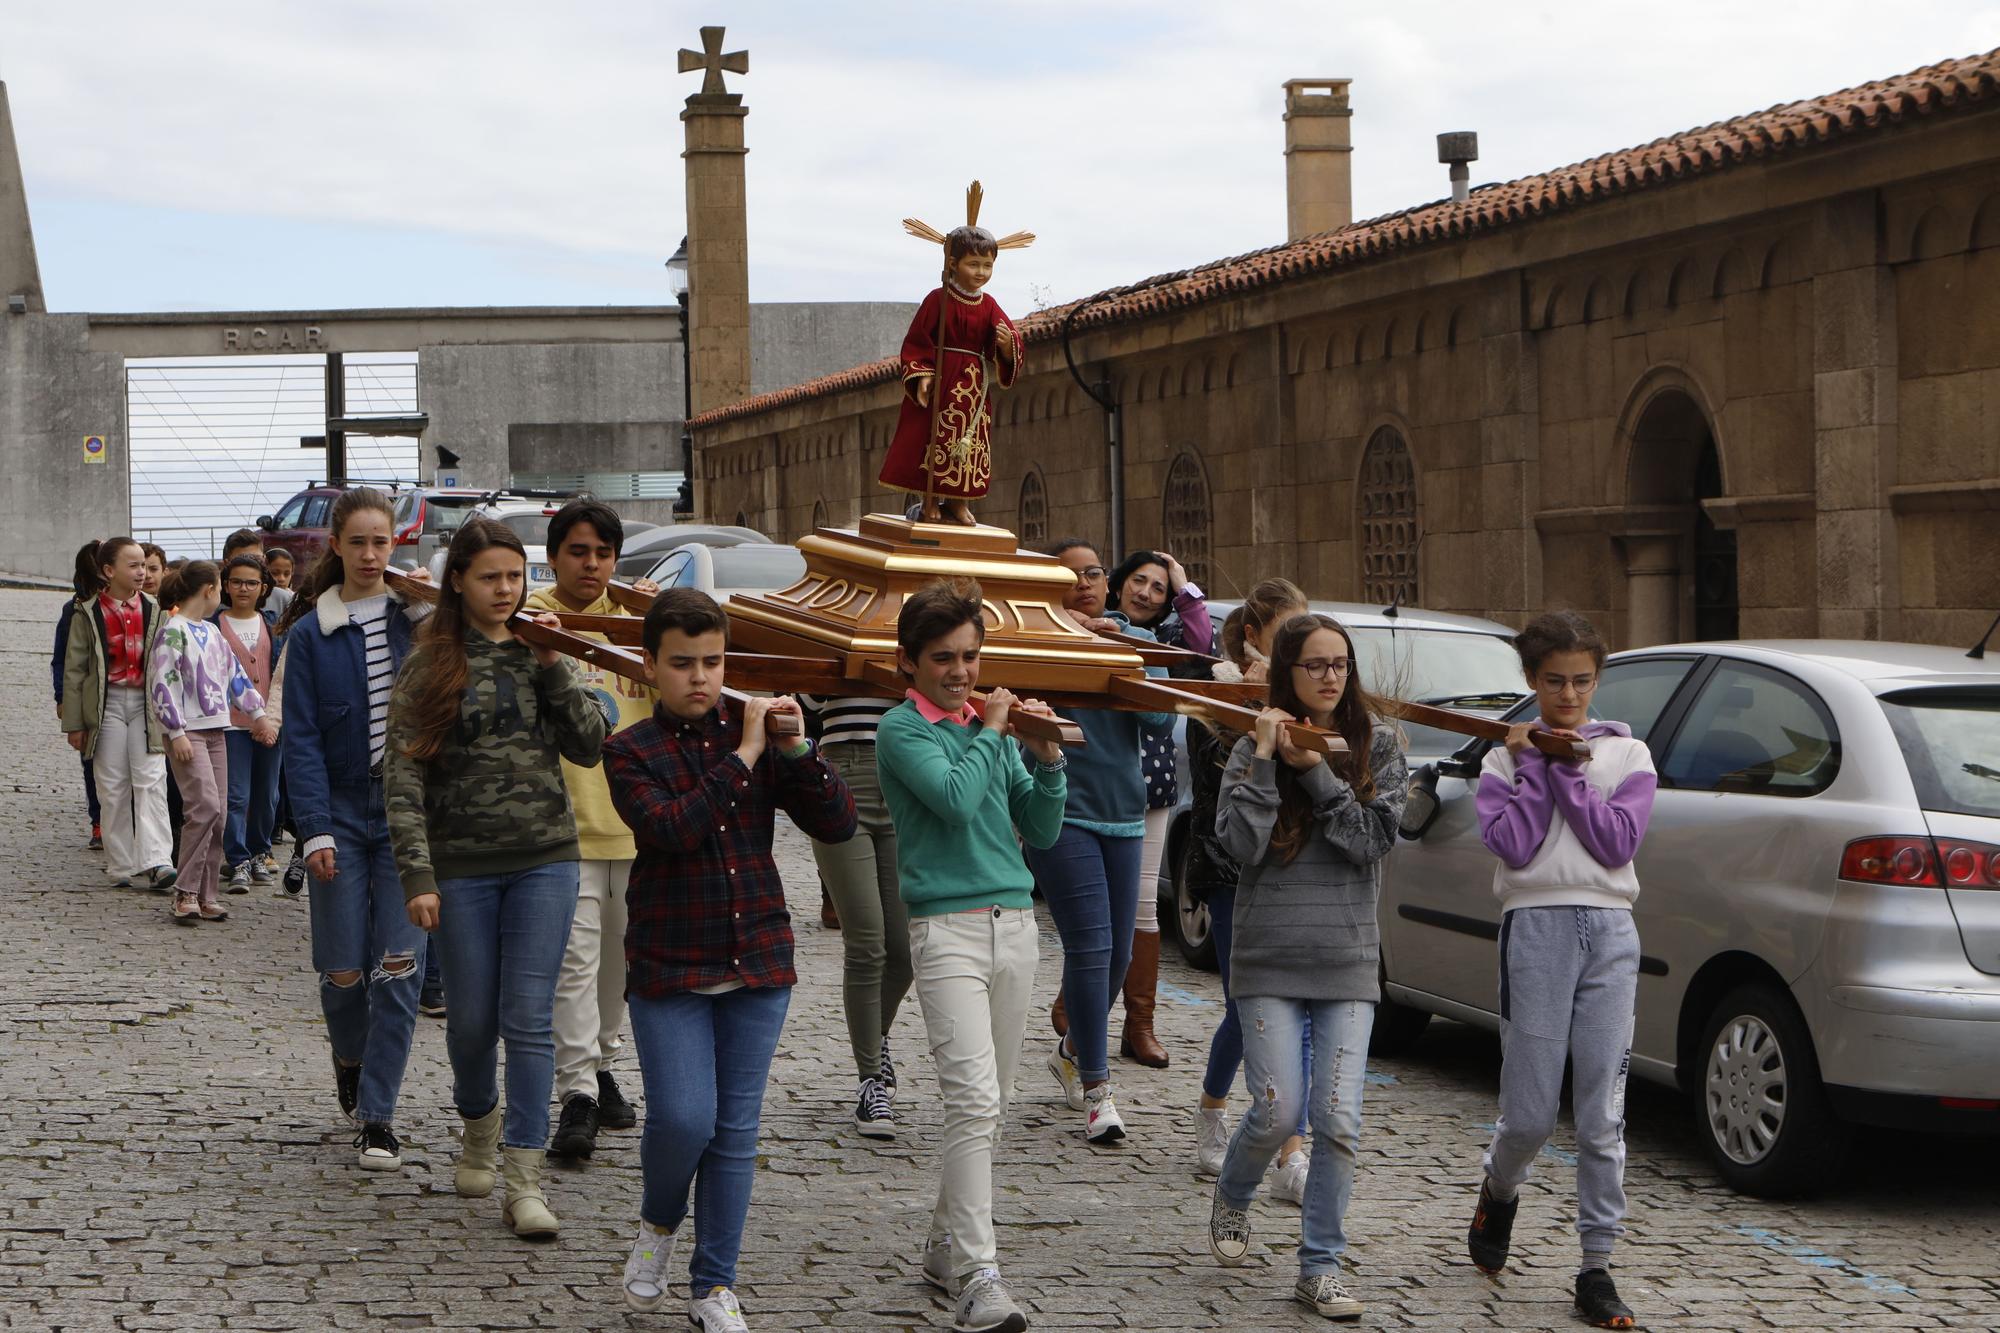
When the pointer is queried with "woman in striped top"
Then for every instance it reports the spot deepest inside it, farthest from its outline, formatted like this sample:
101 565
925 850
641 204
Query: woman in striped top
338 672
874 924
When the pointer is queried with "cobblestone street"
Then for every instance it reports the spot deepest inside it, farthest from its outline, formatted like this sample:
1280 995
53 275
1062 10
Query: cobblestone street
171 1157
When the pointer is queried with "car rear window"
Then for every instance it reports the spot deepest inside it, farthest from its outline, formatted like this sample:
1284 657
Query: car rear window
758 566
1468 670
1951 740
532 529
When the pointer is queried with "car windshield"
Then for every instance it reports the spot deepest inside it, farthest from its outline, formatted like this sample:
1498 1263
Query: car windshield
1460 669
532 529
757 566
1951 740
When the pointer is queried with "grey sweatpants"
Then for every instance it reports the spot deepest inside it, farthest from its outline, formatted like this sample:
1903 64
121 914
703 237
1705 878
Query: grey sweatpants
1569 978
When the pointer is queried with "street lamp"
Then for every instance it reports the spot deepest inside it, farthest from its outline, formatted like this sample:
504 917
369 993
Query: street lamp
677 278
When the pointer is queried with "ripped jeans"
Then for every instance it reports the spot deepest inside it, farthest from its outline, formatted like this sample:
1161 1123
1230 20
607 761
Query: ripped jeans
1271 1036
360 926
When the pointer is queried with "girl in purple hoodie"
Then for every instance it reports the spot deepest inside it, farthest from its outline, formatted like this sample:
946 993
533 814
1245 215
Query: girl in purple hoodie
1565 832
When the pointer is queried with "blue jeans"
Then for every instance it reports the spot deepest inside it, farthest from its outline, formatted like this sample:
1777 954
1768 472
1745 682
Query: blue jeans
253 798
704 1060
359 924
1271 1033
501 938
90 794
1091 884
1225 1048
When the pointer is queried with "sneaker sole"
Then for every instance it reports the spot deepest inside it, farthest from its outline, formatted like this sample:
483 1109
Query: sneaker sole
875 1129
571 1153
620 1123
1111 1135
431 1011
644 1304
1333 1309
371 1162
1226 1259
1013 1323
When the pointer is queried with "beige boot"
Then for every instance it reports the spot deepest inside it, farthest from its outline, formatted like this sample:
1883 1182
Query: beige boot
527 1209
474 1177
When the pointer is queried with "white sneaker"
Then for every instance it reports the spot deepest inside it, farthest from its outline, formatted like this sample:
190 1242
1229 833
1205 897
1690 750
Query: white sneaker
937 1265
1211 1139
1101 1121
986 1306
1325 1293
647 1268
1064 1069
1228 1233
1289 1183
717 1312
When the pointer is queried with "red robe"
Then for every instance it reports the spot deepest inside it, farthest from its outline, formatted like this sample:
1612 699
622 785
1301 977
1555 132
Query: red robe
961 454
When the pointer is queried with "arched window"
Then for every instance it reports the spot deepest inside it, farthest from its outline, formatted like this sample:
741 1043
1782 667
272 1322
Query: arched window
742 519
1185 523
819 514
1032 514
1391 530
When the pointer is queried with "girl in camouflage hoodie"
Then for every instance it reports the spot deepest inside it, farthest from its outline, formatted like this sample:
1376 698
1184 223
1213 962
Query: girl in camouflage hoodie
486 845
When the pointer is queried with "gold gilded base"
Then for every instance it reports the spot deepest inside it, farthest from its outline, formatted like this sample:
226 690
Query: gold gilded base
856 581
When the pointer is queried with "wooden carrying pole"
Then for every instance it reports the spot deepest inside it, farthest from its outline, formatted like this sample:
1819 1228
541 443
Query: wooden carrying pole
780 726
1484 728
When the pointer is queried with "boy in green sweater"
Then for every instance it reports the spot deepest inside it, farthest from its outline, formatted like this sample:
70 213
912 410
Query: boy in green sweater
957 789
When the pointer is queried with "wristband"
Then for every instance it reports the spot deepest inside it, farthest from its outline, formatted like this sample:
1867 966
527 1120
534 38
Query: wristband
804 748
1060 762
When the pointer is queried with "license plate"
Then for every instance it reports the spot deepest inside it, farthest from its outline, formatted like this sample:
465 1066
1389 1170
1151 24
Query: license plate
541 573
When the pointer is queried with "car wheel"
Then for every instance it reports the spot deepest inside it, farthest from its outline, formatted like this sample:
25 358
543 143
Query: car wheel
1191 926
1764 1113
1397 1027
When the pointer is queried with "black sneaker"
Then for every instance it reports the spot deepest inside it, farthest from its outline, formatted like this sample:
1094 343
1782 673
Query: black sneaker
874 1116
379 1149
347 1086
1597 1300
576 1132
613 1111
295 875
888 1070
1491 1234
430 1002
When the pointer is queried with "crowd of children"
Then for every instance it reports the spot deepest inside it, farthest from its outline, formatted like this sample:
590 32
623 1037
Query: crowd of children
566 847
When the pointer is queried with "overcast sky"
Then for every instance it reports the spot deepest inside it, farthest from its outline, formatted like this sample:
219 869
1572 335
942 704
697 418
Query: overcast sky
228 156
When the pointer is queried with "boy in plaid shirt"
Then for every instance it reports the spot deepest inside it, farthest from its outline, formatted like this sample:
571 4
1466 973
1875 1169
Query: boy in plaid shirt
708 942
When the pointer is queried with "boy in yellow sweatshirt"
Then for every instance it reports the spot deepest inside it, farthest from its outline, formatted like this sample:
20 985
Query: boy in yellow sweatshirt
584 539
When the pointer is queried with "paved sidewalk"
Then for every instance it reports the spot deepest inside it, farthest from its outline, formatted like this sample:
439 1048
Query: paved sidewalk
171 1157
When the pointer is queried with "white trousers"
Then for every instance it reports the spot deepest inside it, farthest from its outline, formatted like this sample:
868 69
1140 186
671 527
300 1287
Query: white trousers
1148 920
590 989
131 788
975 973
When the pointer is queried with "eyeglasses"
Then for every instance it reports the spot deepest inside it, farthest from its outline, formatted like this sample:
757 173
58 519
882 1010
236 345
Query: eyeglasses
1317 667
1091 573
245 585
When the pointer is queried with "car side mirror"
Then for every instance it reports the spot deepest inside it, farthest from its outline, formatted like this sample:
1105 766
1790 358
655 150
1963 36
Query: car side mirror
1452 766
1422 807
268 523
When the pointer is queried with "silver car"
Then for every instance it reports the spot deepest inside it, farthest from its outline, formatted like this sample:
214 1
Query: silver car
1819 907
721 571
1427 656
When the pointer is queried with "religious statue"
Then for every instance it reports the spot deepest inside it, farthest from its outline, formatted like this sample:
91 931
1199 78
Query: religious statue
960 346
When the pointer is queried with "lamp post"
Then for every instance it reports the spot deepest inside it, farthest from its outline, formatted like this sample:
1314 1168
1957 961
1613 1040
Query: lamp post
677 277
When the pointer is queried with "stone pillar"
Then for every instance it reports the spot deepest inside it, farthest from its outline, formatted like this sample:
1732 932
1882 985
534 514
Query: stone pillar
1854 424
1652 588
718 245
20 274
1319 151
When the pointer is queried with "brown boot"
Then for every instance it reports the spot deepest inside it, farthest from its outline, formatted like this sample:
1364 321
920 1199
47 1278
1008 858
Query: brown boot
1142 979
828 917
1059 1016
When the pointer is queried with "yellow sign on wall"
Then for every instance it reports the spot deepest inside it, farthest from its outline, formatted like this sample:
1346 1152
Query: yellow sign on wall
93 448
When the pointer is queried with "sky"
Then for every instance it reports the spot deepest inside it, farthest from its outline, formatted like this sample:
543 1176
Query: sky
226 156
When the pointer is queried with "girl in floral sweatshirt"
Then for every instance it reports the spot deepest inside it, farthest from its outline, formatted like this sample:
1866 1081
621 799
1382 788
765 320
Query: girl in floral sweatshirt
193 681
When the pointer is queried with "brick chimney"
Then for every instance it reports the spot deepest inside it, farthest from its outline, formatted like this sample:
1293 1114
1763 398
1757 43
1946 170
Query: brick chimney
1319 173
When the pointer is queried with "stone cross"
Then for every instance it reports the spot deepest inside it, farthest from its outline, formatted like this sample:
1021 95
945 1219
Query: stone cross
711 59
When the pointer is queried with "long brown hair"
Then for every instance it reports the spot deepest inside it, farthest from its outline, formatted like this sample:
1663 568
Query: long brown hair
437 668
1353 718
329 571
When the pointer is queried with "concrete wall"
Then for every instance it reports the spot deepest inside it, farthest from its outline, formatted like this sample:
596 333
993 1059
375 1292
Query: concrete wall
795 341
54 391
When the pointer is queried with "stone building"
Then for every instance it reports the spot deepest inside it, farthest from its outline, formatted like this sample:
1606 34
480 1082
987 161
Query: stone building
1744 380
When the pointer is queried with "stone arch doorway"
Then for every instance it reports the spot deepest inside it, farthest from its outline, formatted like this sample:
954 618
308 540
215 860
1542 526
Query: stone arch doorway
1391 523
1032 511
1680 566
1185 517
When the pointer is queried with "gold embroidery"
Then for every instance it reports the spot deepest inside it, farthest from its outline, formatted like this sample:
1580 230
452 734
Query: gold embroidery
961 458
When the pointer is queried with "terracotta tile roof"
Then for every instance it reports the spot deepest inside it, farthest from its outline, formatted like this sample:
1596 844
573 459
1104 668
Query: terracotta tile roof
1816 122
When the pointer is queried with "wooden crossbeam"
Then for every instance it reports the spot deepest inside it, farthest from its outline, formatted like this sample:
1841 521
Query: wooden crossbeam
1036 728
1164 696
1484 728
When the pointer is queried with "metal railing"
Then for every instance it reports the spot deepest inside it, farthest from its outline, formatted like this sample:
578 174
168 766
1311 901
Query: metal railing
605 485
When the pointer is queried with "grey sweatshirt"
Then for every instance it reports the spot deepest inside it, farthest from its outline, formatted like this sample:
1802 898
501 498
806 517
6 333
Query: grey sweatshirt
1306 929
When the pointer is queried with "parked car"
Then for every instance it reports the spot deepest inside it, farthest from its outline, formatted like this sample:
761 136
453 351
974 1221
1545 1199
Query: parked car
640 555
300 525
722 570
1428 656
1819 901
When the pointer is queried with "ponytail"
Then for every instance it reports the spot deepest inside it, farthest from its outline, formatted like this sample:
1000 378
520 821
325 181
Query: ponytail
88 577
328 571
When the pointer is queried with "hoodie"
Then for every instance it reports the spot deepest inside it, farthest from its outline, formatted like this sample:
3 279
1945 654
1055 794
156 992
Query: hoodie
1566 832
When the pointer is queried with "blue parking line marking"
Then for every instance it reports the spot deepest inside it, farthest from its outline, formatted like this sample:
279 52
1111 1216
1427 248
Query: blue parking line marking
1184 997
1806 1254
